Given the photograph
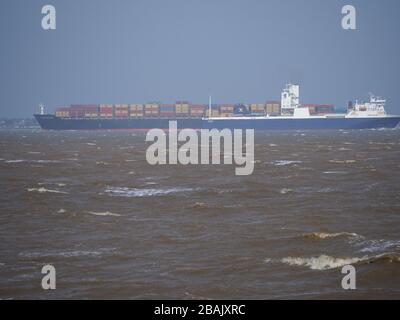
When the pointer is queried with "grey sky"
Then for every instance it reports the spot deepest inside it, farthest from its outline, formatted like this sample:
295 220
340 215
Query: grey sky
239 51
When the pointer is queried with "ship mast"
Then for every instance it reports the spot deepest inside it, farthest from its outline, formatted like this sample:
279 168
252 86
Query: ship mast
209 107
41 108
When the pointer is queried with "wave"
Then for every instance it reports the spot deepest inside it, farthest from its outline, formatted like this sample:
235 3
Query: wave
285 190
31 161
325 235
342 161
378 245
44 161
140 193
102 163
344 149
52 183
285 162
66 254
43 190
199 205
106 213
324 262
334 172
15 161
326 190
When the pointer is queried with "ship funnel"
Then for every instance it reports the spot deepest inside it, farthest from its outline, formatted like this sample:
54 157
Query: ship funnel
350 105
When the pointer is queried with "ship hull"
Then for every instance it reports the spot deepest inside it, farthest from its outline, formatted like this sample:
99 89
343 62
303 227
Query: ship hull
303 123
50 122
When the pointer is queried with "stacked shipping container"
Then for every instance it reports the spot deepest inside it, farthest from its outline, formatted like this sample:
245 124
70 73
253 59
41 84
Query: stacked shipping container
84 111
121 110
257 108
62 112
167 110
106 111
197 110
273 108
151 109
182 109
226 110
136 110
319 109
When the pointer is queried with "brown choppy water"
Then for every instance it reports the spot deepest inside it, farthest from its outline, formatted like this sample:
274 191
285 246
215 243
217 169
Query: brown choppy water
116 227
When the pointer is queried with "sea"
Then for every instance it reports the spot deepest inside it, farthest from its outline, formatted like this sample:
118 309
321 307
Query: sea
115 227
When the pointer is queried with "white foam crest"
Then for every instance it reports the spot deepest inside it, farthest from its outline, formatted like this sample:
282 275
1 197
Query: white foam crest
52 183
102 163
326 190
326 235
31 161
139 193
43 190
285 162
343 161
323 262
334 172
104 214
379 245
44 161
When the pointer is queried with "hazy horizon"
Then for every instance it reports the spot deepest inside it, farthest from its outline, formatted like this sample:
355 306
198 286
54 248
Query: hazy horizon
237 51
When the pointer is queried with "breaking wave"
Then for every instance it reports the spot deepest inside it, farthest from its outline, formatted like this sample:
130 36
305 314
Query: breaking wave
378 245
31 161
325 235
43 190
140 193
104 214
199 205
325 262
285 162
334 172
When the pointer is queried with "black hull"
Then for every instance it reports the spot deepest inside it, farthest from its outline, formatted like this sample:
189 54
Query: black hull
50 122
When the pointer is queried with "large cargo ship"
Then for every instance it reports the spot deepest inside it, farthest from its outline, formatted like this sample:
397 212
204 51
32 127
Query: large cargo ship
286 114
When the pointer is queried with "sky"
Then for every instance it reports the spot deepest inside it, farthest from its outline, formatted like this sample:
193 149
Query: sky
131 51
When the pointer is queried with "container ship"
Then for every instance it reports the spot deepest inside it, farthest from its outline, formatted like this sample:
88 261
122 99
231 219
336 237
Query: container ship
285 114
